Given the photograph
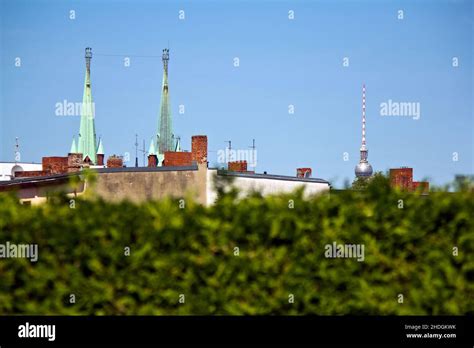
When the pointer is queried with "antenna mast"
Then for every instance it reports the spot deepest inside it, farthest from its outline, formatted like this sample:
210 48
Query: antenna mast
363 115
253 154
17 150
144 151
136 150
229 148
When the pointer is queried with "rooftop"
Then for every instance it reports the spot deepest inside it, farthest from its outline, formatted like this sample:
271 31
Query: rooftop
64 177
269 176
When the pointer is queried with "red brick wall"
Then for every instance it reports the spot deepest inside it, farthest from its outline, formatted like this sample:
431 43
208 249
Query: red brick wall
114 162
401 178
32 173
152 161
237 166
301 172
74 162
424 186
177 159
199 148
55 165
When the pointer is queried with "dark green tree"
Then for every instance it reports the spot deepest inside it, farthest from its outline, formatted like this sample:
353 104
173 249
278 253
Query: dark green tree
362 182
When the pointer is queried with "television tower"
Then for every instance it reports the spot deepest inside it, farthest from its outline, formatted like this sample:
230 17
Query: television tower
363 169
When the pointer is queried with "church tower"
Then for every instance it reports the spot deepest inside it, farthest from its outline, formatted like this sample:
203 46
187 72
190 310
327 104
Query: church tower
164 139
166 142
86 143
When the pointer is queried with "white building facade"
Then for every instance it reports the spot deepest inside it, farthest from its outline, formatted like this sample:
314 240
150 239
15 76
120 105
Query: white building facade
8 169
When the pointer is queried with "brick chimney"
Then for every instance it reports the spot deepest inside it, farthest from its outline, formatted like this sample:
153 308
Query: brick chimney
423 186
303 172
100 159
114 162
177 159
237 166
199 148
401 178
152 161
74 162
55 164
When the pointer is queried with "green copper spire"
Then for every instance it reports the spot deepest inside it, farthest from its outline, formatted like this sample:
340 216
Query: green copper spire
178 145
152 148
73 146
165 129
87 140
100 148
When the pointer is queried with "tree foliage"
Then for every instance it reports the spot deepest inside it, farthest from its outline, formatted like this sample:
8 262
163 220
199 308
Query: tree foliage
409 249
361 183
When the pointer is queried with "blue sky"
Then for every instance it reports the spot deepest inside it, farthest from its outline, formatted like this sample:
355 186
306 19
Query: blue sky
282 62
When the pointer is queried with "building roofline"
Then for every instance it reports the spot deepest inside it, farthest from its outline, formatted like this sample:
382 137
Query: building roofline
6 162
41 180
270 176
146 169
64 177
60 177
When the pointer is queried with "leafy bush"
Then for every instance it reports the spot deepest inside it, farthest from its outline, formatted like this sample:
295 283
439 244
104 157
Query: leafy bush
191 251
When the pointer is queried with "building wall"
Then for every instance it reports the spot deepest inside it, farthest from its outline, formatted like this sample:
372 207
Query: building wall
423 186
31 174
55 165
177 159
74 162
38 194
137 186
265 186
401 178
50 166
152 185
6 168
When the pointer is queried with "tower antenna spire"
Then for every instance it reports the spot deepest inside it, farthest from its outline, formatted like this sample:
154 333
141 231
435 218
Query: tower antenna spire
363 169
88 57
165 58
363 115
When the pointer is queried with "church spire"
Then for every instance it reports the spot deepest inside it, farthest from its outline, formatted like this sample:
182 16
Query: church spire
87 138
165 128
178 145
363 169
152 148
73 146
100 148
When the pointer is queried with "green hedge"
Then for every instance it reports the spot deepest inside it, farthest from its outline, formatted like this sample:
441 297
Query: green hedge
190 251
